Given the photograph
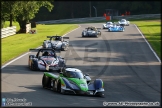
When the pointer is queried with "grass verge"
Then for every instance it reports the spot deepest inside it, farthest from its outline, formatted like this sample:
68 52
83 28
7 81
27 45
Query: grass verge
18 44
151 29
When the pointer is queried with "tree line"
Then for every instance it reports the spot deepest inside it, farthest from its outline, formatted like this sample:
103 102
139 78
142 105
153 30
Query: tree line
31 10
81 9
22 11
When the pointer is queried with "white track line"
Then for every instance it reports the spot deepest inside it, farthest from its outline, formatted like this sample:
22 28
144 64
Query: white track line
148 44
29 52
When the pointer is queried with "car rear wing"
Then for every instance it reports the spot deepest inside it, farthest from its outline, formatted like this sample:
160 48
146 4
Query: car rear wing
65 37
36 50
98 28
52 36
49 36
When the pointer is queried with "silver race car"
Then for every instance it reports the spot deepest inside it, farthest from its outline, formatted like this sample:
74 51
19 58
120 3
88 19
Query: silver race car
123 22
91 32
107 25
57 43
45 60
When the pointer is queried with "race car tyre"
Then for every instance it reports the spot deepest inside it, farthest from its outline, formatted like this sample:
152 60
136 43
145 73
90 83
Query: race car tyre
100 94
30 56
53 87
34 65
59 86
62 49
45 45
45 81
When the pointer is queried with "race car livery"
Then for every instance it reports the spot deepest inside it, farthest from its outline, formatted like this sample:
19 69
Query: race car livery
57 43
73 81
45 60
107 25
123 22
116 28
91 32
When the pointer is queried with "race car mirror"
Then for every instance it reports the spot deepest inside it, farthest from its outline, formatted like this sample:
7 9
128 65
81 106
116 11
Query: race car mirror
86 74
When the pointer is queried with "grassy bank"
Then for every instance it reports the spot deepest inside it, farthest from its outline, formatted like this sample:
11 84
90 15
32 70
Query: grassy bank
18 44
151 29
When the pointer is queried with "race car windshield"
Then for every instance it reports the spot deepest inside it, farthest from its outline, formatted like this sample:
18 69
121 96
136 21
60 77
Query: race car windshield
72 74
122 20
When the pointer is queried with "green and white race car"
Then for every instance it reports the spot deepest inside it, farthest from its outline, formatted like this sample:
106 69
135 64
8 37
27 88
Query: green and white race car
73 81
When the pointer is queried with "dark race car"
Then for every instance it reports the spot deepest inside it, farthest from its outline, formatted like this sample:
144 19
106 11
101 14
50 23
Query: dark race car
91 32
45 60
57 43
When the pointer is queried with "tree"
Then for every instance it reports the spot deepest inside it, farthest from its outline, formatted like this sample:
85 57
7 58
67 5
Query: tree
28 11
22 11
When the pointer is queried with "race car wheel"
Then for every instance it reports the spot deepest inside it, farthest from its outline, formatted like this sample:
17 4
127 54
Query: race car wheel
62 49
59 86
99 33
34 66
45 81
100 94
53 86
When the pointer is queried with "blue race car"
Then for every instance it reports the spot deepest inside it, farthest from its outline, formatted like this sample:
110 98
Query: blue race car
116 28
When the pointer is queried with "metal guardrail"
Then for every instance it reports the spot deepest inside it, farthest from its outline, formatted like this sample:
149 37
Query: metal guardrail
88 19
5 32
12 30
9 31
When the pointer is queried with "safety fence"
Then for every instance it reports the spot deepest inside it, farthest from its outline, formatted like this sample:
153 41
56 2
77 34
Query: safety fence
12 30
9 31
89 19
5 32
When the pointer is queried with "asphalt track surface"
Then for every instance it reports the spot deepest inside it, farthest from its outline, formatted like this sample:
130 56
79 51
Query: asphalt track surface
123 60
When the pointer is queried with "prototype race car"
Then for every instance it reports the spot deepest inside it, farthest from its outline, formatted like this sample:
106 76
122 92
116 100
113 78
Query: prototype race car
91 31
124 22
107 25
46 60
57 43
116 28
73 81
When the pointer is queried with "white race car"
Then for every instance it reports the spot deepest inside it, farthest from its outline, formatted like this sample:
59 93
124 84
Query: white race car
107 25
124 22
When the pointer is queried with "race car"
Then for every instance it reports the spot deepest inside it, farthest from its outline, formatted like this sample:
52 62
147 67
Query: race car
91 32
45 60
107 25
73 81
116 28
123 22
57 43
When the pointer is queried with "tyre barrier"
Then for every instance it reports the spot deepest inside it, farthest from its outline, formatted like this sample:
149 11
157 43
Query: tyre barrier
33 31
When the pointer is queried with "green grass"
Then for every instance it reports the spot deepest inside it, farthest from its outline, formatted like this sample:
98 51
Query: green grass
151 29
18 44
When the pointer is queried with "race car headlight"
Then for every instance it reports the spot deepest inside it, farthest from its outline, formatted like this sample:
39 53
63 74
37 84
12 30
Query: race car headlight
83 85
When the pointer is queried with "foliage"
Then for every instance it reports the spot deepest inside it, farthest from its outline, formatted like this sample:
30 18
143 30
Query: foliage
23 11
81 9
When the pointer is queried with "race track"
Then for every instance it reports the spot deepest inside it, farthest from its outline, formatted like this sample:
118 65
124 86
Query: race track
123 60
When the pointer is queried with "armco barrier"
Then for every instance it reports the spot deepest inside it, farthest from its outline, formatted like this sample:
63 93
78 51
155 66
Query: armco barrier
8 31
12 30
5 32
88 19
